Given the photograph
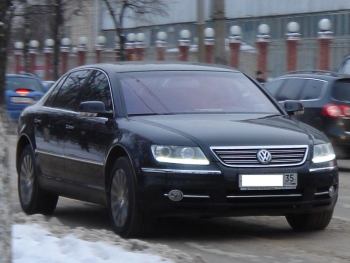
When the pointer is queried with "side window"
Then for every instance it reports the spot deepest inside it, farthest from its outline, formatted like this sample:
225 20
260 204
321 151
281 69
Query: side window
291 89
274 86
312 90
97 89
52 94
69 93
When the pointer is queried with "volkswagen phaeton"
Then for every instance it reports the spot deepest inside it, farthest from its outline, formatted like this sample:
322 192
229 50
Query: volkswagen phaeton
162 140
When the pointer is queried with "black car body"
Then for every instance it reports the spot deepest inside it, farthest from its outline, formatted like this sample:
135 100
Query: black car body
326 99
172 140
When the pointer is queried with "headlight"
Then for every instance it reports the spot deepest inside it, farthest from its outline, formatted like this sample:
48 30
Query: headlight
179 154
323 153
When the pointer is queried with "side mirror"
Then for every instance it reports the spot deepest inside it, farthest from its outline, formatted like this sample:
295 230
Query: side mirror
95 108
293 107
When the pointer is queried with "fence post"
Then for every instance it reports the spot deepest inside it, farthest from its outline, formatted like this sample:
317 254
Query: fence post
100 42
33 51
130 46
262 44
325 36
184 44
65 46
140 46
235 45
293 37
82 51
161 45
209 43
48 50
18 56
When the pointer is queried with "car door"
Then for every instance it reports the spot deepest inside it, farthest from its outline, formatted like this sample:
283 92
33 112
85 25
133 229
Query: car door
87 146
49 135
64 106
311 98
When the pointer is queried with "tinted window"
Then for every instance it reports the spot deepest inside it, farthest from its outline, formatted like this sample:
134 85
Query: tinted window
192 92
341 90
52 93
97 89
274 86
14 83
291 89
69 93
312 89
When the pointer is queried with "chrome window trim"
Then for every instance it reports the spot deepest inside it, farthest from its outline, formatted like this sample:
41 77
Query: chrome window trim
328 168
212 148
192 196
263 196
69 158
182 171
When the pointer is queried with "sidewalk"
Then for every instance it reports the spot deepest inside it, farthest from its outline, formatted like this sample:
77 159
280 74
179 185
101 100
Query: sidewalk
5 211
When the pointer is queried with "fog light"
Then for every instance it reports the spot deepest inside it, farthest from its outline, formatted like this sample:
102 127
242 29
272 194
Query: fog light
175 195
331 191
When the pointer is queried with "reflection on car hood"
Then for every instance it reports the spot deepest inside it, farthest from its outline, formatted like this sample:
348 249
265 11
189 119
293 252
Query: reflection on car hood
235 129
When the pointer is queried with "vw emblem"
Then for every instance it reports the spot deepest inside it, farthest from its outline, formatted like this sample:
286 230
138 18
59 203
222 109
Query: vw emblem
264 156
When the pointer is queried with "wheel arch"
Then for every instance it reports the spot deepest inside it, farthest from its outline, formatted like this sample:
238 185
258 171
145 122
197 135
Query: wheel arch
22 142
114 153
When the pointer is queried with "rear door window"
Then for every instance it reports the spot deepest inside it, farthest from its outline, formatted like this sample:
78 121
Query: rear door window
312 89
68 96
291 89
341 90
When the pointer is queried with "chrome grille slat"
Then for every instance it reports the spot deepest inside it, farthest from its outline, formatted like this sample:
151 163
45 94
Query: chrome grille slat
245 156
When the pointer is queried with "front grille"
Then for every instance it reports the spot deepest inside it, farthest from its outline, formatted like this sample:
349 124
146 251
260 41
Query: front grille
247 156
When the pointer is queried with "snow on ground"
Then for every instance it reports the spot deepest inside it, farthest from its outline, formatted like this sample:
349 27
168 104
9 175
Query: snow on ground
33 244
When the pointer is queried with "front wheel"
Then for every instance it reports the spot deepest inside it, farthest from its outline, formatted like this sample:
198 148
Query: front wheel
32 197
311 221
126 217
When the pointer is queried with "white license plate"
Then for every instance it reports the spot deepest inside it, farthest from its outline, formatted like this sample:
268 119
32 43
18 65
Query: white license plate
20 100
268 181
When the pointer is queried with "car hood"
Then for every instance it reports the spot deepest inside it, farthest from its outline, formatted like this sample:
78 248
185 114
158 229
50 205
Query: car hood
235 129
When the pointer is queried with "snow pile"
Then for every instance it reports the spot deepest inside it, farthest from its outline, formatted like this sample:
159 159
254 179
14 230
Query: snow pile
31 243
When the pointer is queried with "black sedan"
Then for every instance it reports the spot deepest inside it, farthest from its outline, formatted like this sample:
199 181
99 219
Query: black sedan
160 140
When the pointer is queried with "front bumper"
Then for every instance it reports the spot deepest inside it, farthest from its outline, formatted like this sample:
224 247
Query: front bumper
215 192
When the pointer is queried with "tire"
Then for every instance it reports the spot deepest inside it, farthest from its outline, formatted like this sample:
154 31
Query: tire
310 222
126 217
32 197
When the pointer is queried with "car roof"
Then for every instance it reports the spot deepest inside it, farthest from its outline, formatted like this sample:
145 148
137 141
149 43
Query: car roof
22 76
158 66
315 74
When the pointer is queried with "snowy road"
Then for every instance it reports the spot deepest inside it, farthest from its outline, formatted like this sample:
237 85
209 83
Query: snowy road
245 239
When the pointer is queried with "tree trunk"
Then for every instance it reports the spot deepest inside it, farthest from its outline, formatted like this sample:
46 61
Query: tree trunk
56 31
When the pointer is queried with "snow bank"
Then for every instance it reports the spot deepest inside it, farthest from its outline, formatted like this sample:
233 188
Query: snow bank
32 244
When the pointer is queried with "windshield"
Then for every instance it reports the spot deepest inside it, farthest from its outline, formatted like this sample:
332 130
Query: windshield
341 90
176 92
15 83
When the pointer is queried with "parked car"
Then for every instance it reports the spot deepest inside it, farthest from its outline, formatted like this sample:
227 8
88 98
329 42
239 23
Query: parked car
326 99
160 140
21 91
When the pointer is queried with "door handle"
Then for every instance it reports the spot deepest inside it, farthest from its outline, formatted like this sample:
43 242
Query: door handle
37 121
69 127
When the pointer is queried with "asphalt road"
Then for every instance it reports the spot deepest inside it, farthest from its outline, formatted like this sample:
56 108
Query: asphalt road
244 239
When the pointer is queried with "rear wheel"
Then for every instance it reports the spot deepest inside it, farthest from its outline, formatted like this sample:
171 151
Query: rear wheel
32 197
310 222
126 216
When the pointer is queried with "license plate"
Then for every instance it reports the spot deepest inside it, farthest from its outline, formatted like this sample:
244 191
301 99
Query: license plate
268 181
20 100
